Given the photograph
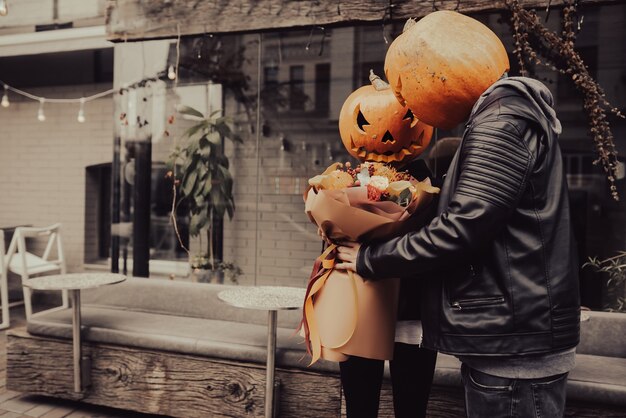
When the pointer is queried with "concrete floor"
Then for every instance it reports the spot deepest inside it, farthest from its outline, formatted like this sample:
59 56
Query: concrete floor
16 404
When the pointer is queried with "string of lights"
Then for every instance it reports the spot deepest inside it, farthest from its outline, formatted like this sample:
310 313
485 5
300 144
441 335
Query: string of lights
171 74
41 116
81 101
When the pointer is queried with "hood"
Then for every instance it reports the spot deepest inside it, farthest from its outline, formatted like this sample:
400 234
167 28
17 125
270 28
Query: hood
539 101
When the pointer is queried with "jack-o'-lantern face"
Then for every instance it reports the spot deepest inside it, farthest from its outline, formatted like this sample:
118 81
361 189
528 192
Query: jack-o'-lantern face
374 126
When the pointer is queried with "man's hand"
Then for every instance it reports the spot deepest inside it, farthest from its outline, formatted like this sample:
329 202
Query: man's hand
347 253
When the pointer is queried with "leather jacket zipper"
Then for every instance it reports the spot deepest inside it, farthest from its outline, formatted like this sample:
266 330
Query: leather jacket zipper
475 303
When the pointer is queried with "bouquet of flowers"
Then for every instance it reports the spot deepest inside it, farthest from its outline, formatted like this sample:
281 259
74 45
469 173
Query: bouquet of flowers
343 314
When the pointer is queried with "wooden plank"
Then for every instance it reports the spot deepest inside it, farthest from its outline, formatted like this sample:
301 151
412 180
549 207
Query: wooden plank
182 385
135 20
165 383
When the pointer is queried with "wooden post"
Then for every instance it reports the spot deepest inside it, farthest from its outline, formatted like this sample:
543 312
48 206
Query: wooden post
115 203
142 209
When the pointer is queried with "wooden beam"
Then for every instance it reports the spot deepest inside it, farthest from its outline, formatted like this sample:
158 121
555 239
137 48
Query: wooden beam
164 382
135 20
182 385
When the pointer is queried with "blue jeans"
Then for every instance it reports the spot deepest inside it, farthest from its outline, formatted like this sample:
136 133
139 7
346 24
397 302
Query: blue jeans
499 397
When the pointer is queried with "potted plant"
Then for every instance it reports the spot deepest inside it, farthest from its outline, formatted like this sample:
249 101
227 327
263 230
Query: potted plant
206 272
204 183
615 268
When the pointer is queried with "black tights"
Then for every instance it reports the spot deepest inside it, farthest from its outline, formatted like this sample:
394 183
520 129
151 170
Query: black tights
412 370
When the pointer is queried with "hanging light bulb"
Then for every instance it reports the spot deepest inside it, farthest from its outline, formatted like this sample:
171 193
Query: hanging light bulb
329 152
5 97
41 117
81 111
171 73
4 8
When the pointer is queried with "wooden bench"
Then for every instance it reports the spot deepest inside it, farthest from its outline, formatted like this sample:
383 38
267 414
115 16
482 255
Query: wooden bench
172 348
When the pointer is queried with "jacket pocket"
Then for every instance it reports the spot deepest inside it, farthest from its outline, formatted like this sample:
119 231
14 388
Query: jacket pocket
476 303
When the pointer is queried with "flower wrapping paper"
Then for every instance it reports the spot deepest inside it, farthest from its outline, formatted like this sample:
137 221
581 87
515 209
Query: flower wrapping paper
343 314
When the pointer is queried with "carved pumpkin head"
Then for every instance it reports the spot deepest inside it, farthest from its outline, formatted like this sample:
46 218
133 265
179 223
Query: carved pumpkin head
440 65
375 127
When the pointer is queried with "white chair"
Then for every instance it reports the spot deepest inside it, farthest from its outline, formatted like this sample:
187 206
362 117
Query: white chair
4 287
26 264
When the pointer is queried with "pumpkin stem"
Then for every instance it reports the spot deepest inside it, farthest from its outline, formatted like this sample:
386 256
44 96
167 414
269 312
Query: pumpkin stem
409 24
377 82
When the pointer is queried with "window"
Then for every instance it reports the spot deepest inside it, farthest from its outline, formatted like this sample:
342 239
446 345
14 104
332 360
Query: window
322 88
302 93
297 96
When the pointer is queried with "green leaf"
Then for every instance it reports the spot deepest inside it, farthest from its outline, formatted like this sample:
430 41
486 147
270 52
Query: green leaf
215 138
203 142
190 111
227 181
190 165
195 128
197 222
199 200
208 185
206 149
230 208
203 171
205 153
189 182
405 197
219 205
192 147
224 130
222 160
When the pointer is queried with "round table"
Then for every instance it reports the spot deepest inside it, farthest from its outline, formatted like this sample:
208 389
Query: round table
74 283
271 299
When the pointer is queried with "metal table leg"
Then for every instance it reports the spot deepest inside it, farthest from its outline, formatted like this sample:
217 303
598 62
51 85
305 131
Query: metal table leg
270 366
76 343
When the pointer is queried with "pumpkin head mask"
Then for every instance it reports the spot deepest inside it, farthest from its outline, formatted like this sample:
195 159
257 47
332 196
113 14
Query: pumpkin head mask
375 127
440 65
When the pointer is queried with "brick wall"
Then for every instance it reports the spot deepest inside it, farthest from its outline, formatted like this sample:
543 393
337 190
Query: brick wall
42 164
272 235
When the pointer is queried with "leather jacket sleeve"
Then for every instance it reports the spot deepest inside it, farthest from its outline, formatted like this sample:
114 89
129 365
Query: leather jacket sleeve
493 171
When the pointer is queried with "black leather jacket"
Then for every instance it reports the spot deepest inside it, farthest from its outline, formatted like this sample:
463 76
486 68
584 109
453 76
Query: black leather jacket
499 264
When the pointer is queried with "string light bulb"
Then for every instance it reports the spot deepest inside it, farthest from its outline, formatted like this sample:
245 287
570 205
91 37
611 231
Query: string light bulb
171 73
41 117
4 8
5 98
81 111
329 152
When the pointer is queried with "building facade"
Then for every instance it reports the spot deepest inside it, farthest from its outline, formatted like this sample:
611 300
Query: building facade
283 89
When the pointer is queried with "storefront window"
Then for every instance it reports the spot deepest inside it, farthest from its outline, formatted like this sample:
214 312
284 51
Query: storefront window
289 133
